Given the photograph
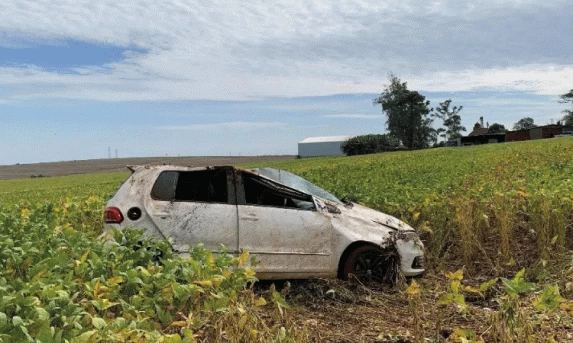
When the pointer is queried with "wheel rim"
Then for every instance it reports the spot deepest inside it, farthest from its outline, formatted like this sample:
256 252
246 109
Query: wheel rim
369 267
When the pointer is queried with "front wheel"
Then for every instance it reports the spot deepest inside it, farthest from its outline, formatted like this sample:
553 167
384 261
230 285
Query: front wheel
370 263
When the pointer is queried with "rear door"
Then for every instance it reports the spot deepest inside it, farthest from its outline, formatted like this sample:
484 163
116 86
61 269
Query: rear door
199 206
283 228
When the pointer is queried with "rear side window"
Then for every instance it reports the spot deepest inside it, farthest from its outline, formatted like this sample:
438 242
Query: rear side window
164 188
201 185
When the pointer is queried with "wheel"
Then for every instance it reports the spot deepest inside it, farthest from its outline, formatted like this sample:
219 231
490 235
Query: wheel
370 263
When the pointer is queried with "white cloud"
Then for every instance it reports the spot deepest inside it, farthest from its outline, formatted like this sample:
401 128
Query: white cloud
211 50
354 116
535 78
236 125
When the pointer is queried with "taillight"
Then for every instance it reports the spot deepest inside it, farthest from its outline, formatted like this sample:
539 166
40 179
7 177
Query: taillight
113 215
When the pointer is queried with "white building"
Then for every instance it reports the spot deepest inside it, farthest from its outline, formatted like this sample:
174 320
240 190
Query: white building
321 146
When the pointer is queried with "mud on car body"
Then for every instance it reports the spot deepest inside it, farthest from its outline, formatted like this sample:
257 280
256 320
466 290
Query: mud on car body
294 228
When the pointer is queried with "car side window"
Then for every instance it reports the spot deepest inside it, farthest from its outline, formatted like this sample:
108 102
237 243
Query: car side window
200 185
259 191
164 187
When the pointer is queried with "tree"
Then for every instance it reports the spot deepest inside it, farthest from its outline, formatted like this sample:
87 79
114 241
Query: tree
369 144
452 120
567 98
407 114
496 128
524 123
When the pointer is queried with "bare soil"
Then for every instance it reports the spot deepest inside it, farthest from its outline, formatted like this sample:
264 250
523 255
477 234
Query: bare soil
20 171
334 311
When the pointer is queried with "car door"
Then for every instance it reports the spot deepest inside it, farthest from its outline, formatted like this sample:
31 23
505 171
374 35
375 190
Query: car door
198 206
282 228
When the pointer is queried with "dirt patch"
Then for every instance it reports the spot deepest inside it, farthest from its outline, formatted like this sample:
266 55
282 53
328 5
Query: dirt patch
344 311
21 171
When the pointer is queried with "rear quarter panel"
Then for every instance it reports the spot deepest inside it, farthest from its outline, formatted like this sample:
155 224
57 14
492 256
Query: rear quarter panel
135 192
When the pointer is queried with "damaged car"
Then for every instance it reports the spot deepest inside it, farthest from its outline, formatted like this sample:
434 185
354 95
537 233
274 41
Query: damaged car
295 229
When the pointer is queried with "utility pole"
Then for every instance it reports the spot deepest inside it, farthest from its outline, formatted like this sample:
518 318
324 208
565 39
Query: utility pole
116 153
108 152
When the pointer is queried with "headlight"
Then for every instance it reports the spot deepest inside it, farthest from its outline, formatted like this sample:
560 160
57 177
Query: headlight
406 236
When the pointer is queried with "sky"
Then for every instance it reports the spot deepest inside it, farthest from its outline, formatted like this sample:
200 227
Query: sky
204 77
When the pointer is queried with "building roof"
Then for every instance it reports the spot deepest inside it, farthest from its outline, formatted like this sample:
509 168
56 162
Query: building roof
326 139
478 132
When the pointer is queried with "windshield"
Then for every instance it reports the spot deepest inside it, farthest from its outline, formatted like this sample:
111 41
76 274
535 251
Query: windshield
296 182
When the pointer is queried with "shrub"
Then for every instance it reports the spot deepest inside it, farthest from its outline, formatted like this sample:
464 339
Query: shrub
369 144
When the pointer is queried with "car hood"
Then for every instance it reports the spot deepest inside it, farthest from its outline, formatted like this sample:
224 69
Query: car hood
362 213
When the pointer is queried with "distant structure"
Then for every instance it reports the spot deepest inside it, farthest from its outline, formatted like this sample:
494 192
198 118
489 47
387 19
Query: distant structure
321 146
479 129
539 132
480 135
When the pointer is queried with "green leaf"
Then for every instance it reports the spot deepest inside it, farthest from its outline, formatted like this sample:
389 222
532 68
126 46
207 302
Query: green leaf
25 332
188 336
85 337
460 300
446 299
518 285
161 314
46 334
172 338
455 286
458 275
260 302
98 323
3 319
17 321
487 285
42 314
549 299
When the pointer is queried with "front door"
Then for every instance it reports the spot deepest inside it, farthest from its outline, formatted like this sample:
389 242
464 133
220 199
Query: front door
192 207
282 228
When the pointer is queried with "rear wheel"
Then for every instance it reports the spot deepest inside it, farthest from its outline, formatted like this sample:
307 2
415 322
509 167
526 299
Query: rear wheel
369 263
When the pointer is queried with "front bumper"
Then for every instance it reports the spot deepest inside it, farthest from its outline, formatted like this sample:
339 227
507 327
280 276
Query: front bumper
411 256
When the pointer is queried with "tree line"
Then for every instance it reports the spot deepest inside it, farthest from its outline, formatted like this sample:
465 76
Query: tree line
410 119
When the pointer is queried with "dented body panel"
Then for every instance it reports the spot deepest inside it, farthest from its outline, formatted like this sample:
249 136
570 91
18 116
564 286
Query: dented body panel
292 231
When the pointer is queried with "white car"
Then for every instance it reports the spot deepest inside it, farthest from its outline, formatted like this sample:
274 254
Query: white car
294 228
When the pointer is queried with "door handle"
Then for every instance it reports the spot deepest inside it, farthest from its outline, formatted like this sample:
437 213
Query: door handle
251 218
163 215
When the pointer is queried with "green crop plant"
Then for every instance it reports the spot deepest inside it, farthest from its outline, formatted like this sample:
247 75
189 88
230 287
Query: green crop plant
490 210
59 283
415 305
511 323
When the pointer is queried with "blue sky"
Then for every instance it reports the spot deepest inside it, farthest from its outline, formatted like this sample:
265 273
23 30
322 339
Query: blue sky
60 56
181 78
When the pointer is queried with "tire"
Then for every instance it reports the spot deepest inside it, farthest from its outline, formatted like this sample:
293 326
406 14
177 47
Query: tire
369 263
